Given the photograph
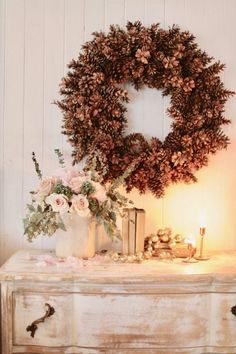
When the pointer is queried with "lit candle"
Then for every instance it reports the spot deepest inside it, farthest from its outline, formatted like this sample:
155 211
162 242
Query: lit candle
191 241
202 224
202 221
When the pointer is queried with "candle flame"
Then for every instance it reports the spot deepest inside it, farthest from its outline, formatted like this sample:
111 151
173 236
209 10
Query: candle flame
202 220
190 240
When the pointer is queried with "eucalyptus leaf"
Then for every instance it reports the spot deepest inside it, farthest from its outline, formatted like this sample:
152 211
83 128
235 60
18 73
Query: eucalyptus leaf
61 224
30 207
39 209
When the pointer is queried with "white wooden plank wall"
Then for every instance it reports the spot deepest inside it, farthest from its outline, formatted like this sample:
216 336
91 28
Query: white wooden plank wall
2 109
37 39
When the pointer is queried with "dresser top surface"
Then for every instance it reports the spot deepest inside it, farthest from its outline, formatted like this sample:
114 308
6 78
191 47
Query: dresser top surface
41 265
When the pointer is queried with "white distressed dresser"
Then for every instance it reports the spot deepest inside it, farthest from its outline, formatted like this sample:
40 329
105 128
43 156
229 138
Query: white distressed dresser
149 308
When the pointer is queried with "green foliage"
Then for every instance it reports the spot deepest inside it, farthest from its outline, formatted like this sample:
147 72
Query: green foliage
41 221
111 230
87 188
121 180
36 166
61 224
60 157
59 188
93 206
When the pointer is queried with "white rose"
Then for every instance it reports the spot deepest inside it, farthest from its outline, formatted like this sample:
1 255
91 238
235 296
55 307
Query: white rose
100 192
58 202
80 205
45 187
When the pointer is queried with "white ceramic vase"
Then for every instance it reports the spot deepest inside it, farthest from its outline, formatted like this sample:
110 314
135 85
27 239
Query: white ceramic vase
79 238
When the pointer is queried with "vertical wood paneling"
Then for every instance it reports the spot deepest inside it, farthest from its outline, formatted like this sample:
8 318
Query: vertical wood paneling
13 125
175 12
73 40
95 21
38 38
74 29
2 109
53 72
155 12
135 10
94 17
33 97
227 159
114 13
54 42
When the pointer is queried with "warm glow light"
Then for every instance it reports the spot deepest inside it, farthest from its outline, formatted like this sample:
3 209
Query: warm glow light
190 240
202 220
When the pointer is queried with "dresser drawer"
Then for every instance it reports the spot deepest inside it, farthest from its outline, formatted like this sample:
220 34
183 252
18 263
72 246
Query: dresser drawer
142 320
112 320
223 320
54 331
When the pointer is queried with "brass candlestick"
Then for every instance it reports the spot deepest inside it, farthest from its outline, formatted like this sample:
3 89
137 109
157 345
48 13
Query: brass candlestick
201 257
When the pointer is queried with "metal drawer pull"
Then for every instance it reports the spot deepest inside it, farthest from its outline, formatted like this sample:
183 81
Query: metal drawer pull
233 310
33 327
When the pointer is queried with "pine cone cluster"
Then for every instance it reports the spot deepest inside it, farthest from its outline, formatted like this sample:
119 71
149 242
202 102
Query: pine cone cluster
93 97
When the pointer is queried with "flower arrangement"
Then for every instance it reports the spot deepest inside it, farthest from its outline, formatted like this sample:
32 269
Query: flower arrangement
70 191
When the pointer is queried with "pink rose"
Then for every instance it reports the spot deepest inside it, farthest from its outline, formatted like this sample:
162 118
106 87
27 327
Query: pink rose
45 187
100 192
65 175
80 205
76 183
58 202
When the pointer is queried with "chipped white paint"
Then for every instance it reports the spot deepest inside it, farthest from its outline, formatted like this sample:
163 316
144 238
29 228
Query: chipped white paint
120 308
55 331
